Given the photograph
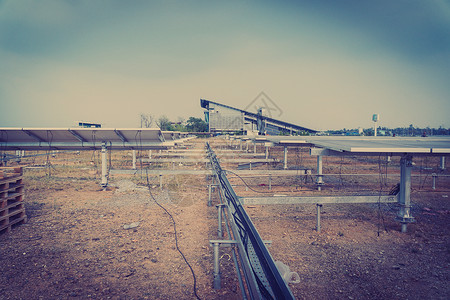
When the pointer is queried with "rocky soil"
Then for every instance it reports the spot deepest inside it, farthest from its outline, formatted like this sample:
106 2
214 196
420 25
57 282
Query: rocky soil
82 242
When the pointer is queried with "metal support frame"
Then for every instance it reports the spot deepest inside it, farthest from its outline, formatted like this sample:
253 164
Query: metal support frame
219 219
263 279
285 157
319 180
104 182
217 244
404 213
318 208
209 195
134 159
434 175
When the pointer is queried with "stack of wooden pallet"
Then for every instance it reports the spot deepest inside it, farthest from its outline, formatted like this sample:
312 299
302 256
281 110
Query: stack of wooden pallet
12 207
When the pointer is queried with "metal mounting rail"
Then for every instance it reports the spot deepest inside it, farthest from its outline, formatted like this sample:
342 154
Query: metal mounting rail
262 277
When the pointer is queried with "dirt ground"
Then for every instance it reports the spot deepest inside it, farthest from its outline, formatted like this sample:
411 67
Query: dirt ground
83 242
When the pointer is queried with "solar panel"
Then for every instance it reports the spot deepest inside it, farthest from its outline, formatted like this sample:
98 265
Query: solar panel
87 138
369 145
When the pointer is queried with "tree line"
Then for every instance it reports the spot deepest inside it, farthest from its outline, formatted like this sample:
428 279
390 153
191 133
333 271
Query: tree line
192 124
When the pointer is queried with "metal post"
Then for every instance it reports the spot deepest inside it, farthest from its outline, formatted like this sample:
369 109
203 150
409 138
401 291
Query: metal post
149 154
319 180
318 207
209 195
134 159
254 147
104 182
219 230
267 152
240 145
442 162
246 150
404 213
160 182
216 267
270 182
285 157
434 180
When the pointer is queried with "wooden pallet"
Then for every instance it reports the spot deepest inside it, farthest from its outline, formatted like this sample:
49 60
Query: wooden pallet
12 206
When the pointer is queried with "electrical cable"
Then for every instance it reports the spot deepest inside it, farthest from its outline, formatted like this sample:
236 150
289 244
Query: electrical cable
262 192
170 216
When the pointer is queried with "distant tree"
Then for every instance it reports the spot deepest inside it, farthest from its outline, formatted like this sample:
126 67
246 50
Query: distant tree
196 125
164 124
146 121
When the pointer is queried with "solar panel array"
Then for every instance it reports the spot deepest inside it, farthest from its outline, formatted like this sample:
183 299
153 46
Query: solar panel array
88 138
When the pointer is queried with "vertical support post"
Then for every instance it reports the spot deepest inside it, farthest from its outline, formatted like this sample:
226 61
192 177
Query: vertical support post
319 180
246 149
240 145
209 195
267 152
434 180
442 162
104 182
254 147
220 212
270 182
404 213
216 267
285 157
318 207
134 159
160 182
149 154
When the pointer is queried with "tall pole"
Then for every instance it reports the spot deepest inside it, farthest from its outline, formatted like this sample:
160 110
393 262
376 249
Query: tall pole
134 159
319 180
404 213
104 182
285 157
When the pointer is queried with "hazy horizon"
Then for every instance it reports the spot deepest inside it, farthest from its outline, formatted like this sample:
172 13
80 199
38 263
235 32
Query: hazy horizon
326 64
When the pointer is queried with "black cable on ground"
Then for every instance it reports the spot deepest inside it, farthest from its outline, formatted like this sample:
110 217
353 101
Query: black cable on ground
171 218
262 192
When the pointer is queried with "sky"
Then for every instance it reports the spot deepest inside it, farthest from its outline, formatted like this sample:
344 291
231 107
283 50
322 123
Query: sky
325 64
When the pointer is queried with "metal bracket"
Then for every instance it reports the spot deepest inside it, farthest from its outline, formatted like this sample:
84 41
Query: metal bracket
216 244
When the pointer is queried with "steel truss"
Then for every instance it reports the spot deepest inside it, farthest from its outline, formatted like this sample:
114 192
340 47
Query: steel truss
263 279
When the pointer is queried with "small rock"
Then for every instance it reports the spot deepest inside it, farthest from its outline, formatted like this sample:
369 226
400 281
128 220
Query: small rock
154 260
131 226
